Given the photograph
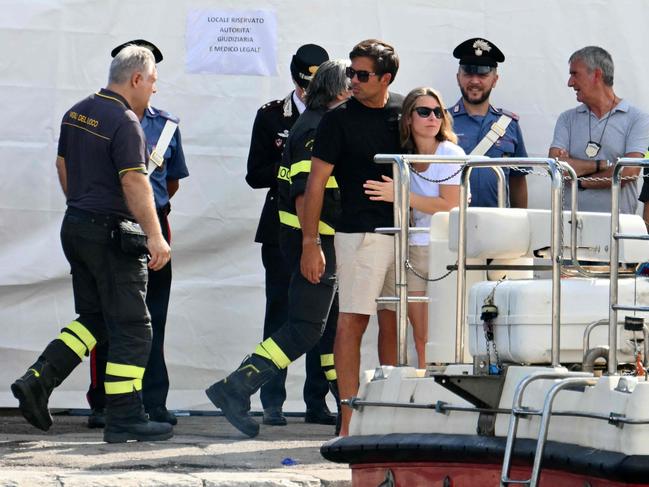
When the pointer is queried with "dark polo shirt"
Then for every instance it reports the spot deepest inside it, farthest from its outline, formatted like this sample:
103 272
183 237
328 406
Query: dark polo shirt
101 139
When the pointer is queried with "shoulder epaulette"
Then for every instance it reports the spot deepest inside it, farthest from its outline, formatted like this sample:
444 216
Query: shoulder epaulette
153 111
512 115
272 105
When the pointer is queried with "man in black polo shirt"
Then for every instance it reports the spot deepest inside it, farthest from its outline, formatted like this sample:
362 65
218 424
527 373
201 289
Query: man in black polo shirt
347 140
101 165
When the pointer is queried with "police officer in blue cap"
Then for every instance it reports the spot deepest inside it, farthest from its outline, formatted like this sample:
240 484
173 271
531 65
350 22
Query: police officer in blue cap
483 129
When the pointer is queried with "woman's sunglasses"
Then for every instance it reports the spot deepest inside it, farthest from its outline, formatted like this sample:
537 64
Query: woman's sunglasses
424 112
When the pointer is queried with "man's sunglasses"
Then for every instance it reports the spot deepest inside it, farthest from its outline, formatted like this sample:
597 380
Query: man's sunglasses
424 112
363 76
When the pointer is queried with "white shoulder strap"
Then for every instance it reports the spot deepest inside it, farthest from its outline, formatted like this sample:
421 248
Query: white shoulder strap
157 156
496 131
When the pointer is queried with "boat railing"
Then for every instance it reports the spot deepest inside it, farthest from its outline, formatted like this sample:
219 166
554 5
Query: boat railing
567 379
401 177
401 229
614 306
554 171
586 362
574 227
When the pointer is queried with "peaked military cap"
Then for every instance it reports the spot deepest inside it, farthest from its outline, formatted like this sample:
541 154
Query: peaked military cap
305 63
478 52
140 42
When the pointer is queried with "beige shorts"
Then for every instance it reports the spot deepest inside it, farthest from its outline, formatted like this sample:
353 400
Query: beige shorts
418 256
363 260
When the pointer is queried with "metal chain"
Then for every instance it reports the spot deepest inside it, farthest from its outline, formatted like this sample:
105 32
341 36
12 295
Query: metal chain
525 170
435 279
488 327
498 362
532 172
436 180
487 346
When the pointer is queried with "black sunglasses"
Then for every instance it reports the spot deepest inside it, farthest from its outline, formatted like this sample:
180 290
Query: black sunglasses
363 76
424 112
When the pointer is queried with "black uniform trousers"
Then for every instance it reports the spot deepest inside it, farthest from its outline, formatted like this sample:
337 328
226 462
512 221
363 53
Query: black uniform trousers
278 276
109 294
155 383
313 308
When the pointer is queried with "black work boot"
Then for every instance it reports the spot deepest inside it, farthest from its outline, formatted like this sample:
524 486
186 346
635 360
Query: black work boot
33 391
232 394
126 420
34 388
161 414
274 417
97 418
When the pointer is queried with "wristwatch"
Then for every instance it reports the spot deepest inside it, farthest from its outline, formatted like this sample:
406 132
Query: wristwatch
316 240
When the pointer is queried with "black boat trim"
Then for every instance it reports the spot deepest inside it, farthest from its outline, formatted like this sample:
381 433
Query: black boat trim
398 448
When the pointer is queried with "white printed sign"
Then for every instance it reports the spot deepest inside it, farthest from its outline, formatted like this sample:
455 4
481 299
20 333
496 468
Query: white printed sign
231 42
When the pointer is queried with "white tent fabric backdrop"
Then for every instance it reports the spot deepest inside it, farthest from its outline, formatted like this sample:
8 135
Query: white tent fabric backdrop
57 52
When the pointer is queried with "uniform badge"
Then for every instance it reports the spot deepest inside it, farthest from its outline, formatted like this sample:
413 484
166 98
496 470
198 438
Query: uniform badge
481 46
282 136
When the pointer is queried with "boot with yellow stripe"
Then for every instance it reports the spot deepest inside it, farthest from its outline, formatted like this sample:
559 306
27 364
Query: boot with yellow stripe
34 388
329 369
33 391
127 421
125 416
232 394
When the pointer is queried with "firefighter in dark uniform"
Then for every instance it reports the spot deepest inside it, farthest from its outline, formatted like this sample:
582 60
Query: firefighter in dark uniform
102 169
269 134
165 182
313 308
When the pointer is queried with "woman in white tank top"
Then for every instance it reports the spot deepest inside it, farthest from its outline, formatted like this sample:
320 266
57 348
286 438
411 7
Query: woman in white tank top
425 128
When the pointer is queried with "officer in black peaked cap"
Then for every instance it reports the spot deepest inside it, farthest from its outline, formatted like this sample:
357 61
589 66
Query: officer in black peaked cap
483 129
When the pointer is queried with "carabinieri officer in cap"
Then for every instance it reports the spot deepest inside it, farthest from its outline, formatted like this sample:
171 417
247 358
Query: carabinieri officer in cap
165 182
269 134
483 129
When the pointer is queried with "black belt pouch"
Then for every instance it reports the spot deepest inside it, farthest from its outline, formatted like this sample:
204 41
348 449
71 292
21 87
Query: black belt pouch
130 238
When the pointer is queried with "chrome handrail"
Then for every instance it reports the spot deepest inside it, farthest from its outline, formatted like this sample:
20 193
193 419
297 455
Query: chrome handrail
401 208
619 165
556 180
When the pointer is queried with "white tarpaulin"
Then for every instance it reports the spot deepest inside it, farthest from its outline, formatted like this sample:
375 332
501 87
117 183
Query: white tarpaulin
55 52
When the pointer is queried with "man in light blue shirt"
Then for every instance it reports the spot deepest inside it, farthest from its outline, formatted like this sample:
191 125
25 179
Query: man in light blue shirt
593 135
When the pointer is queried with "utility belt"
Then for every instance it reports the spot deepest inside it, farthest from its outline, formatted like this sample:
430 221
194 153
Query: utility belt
101 219
124 233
